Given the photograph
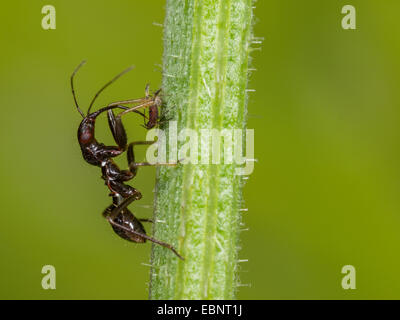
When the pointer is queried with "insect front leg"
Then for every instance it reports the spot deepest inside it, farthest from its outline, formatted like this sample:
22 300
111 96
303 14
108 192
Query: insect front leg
117 129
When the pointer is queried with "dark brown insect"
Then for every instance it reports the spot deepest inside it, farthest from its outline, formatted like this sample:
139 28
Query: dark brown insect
93 151
123 222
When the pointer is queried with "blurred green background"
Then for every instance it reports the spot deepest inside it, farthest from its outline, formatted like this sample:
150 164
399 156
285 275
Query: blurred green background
325 190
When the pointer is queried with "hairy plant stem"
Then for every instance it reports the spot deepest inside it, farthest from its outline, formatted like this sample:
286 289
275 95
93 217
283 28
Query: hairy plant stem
197 206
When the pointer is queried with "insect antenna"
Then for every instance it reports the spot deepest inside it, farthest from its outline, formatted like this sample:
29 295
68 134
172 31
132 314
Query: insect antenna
107 84
72 87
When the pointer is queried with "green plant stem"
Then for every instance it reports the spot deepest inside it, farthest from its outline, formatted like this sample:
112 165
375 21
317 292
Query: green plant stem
197 206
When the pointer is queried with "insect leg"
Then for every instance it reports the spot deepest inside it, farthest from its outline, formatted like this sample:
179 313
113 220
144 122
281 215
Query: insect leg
133 166
117 129
111 216
131 156
146 220
161 243
135 108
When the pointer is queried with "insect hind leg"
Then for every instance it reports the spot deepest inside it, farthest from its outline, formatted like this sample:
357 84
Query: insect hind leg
112 214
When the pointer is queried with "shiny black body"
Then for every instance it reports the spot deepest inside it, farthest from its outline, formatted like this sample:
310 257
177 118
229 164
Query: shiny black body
123 222
94 152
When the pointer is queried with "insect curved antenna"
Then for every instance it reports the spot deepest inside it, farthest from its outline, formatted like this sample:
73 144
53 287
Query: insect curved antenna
107 84
72 87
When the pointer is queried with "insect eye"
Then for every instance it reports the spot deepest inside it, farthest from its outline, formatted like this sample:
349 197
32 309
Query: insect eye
85 137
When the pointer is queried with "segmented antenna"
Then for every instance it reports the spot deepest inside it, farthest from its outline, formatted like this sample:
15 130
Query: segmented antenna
107 84
72 87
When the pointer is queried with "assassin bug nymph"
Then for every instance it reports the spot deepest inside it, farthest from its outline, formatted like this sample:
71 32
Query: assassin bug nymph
123 222
151 102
